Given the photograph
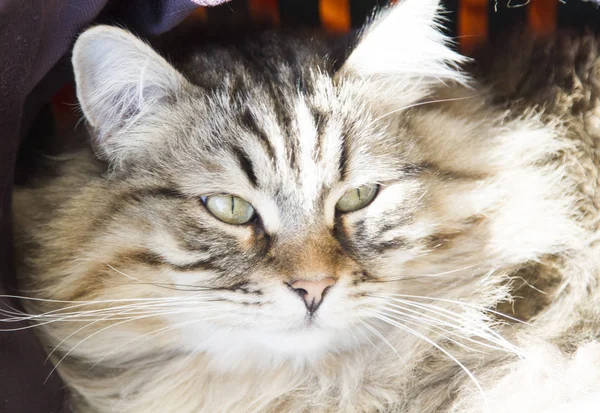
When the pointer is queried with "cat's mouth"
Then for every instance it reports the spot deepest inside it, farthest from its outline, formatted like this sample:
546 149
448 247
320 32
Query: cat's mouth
309 323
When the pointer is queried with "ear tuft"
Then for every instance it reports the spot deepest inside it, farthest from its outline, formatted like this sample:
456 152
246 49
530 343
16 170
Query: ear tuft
407 39
120 79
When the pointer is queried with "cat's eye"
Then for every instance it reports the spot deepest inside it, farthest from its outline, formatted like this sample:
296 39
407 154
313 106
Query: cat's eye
357 198
230 209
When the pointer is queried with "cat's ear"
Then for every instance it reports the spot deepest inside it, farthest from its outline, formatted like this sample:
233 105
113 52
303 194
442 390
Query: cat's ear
406 39
120 78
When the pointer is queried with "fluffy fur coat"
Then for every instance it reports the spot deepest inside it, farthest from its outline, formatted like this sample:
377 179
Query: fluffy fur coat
468 284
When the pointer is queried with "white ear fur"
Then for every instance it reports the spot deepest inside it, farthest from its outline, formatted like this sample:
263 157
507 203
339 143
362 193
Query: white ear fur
120 78
406 39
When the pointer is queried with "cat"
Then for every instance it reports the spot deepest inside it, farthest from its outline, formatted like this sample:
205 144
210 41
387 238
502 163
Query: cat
266 227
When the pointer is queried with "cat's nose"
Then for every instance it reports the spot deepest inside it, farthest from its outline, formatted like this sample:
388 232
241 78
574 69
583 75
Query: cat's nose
312 292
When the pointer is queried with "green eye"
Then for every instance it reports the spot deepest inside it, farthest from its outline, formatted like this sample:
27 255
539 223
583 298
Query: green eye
357 198
230 209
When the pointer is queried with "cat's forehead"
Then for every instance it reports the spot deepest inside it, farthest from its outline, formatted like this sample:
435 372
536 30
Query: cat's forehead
289 144
294 144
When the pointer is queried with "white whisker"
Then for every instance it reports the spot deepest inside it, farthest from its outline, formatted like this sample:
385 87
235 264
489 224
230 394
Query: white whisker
439 274
419 104
481 330
369 340
98 332
170 286
58 314
384 318
386 341
460 303
440 331
151 334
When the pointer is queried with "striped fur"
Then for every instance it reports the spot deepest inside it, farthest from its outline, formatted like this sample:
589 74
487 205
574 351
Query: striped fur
147 303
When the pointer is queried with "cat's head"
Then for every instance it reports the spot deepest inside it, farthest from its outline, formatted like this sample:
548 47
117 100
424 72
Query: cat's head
291 210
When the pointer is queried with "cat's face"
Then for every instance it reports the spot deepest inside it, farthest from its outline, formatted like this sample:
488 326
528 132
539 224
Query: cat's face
290 220
266 211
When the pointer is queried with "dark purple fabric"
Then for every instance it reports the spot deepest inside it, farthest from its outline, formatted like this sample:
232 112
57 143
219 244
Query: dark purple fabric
35 38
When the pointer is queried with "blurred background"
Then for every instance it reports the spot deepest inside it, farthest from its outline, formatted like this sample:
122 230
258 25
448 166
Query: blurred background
471 23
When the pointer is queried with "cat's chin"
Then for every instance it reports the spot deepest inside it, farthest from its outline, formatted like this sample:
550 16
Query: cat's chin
230 350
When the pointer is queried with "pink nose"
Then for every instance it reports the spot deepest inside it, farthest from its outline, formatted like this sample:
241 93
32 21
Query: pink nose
312 292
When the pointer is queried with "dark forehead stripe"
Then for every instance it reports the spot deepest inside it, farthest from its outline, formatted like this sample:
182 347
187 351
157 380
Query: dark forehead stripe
320 119
283 113
246 166
283 108
249 122
343 160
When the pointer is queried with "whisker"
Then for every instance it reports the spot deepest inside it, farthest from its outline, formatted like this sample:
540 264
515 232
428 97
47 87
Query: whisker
354 337
151 334
106 318
60 311
20 297
94 334
59 315
161 285
369 340
419 104
382 317
198 347
439 274
421 322
460 303
146 310
436 330
386 341
479 329
482 330
485 327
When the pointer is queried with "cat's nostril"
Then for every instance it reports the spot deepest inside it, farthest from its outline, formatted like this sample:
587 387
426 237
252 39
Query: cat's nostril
312 292
300 291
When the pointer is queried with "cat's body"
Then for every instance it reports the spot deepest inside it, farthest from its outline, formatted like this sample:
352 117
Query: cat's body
488 202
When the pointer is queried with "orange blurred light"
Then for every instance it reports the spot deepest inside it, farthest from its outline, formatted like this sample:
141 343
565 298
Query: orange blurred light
472 24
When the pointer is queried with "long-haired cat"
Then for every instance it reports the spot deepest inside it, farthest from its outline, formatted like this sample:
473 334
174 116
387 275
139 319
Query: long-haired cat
263 227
